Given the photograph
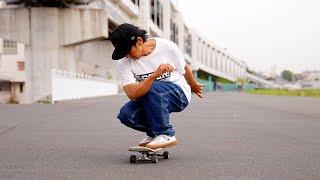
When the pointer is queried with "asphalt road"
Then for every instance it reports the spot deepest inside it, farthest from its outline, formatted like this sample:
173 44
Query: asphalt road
224 136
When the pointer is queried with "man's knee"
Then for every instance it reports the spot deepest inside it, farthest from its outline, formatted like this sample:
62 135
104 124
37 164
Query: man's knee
155 90
124 115
156 87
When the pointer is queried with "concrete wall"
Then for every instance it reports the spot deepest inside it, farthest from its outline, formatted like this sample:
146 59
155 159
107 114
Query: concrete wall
66 85
99 63
1 4
4 97
52 36
116 12
80 25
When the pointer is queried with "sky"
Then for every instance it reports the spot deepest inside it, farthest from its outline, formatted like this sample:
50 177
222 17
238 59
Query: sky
269 35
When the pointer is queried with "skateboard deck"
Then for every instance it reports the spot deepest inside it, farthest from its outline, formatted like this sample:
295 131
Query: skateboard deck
143 149
147 154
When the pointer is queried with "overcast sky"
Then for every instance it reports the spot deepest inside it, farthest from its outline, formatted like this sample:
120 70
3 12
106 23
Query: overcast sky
268 35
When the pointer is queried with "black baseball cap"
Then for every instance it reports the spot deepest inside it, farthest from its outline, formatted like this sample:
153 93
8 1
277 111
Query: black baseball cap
123 38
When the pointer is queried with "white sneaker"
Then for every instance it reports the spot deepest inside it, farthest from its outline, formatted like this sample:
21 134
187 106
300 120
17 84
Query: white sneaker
145 141
162 141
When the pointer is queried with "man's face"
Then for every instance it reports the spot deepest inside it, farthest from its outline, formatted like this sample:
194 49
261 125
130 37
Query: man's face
136 50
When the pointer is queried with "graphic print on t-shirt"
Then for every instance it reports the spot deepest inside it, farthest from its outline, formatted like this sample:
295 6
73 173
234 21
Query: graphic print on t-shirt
164 77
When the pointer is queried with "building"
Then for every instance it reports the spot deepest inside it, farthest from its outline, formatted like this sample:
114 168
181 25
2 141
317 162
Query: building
12 71
309 79
75 39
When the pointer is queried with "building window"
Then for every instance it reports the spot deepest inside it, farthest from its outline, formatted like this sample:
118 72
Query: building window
187 42
209 56
198 49
157 13
9 47
136 2
174 32
204 57
20 66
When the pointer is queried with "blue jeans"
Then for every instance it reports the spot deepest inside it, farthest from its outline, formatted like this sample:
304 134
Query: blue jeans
150 113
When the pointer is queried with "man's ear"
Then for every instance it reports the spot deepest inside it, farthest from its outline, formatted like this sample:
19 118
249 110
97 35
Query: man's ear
139 41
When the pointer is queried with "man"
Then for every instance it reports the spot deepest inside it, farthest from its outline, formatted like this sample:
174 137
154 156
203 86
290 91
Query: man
154 75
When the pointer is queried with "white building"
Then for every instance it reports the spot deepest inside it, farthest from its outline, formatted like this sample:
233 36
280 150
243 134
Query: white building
75 39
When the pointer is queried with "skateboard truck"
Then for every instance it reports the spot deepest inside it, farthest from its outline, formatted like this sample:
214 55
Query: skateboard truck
147 154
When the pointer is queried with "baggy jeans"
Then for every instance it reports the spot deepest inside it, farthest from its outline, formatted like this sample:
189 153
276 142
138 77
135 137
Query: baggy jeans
150 113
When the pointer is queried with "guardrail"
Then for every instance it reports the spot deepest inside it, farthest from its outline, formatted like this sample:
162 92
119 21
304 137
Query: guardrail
69 85
261 82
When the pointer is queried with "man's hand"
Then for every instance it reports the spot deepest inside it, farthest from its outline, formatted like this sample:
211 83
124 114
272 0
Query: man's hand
197 88
162 69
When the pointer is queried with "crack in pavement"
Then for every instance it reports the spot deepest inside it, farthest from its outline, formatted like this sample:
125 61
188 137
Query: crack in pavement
7 130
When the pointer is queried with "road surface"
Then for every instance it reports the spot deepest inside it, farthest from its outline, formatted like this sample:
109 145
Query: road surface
223 136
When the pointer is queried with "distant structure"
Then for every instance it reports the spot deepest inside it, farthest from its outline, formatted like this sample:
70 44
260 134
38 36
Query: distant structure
48 3
72 36
12 71
308 79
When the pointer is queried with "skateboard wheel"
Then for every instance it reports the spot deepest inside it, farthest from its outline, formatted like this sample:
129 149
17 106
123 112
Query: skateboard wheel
133 159
154 158
166 155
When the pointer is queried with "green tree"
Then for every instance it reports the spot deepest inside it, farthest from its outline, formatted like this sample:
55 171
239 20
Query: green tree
287 75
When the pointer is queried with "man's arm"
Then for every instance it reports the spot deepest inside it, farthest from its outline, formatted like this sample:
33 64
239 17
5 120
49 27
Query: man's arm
137 90
195 87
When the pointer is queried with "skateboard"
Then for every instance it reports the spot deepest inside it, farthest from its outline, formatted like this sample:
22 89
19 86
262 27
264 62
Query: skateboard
147 154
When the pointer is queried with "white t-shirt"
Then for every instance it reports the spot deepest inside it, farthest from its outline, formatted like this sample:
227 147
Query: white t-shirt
165 52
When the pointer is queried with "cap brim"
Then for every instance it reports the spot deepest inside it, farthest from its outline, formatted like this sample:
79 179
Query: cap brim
119 53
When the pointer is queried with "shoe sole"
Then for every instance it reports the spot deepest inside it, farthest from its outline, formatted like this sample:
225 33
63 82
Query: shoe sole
165 145
143 144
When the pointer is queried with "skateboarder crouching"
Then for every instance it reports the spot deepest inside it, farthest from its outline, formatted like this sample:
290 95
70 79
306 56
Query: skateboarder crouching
156 78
